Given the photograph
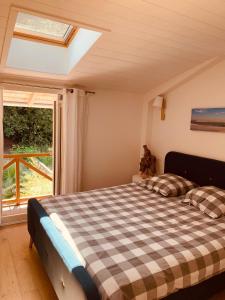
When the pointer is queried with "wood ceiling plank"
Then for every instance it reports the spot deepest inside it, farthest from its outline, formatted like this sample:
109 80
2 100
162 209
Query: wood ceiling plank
168 15
146 55
3 21
111 11
142 58
152 50
129 84
123 20
165 40
216 7
194 40
151 37
192 11
126 72
119 17
106 62
4 9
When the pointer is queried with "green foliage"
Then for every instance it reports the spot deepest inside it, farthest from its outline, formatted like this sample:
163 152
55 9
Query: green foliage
47 160
28 149
27 126
9 182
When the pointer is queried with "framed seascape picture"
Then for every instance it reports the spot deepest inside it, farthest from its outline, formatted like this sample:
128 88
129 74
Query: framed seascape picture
208 119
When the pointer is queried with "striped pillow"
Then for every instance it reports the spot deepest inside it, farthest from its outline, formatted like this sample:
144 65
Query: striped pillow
209 199
170 185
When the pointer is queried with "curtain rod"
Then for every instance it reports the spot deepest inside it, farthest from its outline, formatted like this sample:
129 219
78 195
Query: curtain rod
86 92
42 87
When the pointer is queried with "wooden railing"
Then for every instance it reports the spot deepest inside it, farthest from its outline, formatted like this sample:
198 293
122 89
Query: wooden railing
18 159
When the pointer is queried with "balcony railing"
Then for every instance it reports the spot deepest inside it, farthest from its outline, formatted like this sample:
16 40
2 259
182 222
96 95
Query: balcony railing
19 159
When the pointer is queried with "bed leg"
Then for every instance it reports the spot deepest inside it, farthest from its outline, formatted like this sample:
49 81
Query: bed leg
31 243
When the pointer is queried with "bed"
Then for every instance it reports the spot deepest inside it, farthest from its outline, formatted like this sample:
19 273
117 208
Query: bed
113 229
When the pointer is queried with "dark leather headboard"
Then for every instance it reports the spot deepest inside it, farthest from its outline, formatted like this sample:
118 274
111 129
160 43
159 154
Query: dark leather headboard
201 170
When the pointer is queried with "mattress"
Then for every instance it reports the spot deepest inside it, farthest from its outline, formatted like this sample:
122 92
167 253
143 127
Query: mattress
138 245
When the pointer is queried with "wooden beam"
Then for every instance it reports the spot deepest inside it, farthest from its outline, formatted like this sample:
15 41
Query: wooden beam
17 181
26 155
29 166
6 166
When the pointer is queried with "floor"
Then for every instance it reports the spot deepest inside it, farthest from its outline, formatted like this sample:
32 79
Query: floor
22 276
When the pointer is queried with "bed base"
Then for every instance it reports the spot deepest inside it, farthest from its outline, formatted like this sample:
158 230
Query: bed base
77 284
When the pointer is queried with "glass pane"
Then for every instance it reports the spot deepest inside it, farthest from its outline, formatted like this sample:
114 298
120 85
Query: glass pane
41 26
28 135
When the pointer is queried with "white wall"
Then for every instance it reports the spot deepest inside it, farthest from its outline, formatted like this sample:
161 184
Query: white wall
113 138
205 90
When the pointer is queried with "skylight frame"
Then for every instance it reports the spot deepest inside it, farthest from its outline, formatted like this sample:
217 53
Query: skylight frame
46 38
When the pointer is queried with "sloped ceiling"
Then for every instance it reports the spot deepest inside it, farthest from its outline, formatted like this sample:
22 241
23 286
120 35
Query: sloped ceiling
150 41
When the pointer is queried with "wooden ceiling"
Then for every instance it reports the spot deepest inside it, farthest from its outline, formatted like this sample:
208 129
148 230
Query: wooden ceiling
150 41
28 99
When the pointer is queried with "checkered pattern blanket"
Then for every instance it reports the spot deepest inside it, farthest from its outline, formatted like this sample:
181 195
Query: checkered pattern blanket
139 245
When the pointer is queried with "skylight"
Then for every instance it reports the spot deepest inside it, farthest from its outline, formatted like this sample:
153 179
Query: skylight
26 54
44 30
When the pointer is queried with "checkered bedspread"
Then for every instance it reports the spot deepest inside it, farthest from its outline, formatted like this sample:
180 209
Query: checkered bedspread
139 245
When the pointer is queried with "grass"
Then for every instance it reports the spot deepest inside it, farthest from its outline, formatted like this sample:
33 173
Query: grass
35 185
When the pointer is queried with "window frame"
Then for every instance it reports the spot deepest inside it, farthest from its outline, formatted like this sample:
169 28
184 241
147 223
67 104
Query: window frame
44 38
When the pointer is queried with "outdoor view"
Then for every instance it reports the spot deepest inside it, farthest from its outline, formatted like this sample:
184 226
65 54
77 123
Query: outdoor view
27 131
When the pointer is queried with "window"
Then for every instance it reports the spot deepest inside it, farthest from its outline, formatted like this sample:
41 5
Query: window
43 30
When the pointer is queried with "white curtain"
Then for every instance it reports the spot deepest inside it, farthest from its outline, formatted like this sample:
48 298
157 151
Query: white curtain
70 119
1 149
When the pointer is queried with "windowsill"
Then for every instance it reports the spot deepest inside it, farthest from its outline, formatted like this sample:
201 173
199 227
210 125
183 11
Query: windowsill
14 214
